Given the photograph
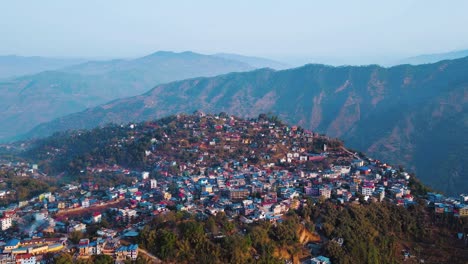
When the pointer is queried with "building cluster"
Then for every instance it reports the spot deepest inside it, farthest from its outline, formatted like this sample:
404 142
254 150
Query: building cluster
250 170
449 205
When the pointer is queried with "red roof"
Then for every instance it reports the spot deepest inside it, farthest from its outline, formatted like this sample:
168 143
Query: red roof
96 214
23 256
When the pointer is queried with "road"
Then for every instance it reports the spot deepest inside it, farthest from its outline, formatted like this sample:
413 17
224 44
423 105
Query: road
349 152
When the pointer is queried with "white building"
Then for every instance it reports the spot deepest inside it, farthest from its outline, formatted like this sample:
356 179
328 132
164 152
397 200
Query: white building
127 214
85 203
77 227
26 259
153 184
325 192
6 223
367 189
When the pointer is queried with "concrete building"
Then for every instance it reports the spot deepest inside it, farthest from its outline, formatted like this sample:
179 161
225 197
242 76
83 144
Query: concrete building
5 223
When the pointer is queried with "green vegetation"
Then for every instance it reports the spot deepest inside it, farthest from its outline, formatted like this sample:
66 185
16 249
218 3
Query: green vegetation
23 188
186 239
372 233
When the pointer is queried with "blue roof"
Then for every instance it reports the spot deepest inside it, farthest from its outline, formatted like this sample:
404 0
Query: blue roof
127 248
133 247
323 259
12 242
122 248
131 234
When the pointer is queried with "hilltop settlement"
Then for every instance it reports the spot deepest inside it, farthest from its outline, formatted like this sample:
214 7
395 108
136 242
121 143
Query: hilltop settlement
99 195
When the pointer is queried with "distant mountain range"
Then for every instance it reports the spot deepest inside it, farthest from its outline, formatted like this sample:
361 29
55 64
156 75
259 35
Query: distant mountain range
256 62
410 115
14 66
431 58
30 100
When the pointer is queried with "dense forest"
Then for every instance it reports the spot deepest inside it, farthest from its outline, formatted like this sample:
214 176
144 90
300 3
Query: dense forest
370 233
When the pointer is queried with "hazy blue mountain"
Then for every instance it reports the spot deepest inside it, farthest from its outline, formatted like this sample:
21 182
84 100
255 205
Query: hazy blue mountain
431 58
255 62
411 115
13 66
163 66
30 100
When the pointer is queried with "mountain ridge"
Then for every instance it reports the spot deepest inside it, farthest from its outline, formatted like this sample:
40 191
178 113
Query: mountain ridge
12 66
33 99
434 57
386 112
256 62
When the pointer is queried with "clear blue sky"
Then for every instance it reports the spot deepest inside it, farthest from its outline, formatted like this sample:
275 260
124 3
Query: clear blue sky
278 29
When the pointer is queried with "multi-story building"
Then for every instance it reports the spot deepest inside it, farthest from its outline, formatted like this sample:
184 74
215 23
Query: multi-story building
5 223
25 259
464 211
325 192
367 189
238 194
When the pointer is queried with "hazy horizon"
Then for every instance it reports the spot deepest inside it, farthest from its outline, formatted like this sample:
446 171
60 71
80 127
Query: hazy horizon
294 33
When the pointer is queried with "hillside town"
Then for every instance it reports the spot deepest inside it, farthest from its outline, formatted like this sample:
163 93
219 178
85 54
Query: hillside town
249 170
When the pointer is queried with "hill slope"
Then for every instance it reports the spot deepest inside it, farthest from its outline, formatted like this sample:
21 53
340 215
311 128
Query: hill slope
410 115
11 65
30 100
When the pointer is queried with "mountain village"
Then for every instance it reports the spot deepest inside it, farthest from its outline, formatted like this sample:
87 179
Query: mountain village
250 170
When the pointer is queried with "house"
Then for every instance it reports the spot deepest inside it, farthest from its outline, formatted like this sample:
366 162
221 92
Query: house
357 163
320 260
107 232
364 170
5 223
153 184
127 214
83 247
144 175
380 193
85 203
325 192
97 217
11 244
77 227
463 198
127 252
237 194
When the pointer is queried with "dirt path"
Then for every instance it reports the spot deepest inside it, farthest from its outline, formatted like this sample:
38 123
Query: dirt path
144 252
153 258
81 210
349 152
